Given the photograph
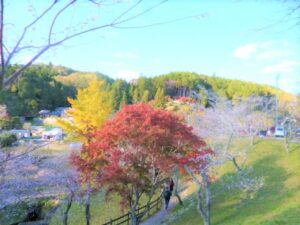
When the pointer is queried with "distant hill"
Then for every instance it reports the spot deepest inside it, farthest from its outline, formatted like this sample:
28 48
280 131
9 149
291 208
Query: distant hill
181 83
81 79
47 86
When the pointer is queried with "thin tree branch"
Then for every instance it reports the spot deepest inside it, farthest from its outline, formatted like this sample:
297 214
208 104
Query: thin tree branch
6 49
24 153
15 75
28 47
1 40
160 23
143 12
62 10
25 31
126 11
281 20
115 23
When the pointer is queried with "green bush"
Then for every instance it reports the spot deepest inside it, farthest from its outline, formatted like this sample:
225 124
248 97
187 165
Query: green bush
10 123
7 139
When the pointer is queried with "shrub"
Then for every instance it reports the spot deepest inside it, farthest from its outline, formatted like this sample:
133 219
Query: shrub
7 139
10 123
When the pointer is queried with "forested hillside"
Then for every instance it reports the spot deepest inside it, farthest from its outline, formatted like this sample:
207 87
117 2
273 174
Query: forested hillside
47 87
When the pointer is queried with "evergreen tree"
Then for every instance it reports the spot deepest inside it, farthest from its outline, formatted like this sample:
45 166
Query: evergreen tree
135 97
203 97
145 97
160 98
124 100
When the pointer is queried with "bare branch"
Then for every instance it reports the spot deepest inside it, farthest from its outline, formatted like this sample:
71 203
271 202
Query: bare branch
62 10
143 12
1 39
25 31
283 19
6 49
15 75
115 23
127 11
161 23
24 153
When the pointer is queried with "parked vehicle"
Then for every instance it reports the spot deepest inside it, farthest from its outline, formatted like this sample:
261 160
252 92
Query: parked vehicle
262 133
279 132
297 132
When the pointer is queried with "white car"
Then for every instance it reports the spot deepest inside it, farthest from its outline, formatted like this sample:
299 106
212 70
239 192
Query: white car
279 132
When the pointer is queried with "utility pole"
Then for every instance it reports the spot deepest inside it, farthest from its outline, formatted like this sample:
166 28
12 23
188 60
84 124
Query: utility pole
277 93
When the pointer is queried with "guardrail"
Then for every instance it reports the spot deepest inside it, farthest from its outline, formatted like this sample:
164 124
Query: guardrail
126 218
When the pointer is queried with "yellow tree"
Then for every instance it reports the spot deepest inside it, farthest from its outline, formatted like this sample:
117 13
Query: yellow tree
89 111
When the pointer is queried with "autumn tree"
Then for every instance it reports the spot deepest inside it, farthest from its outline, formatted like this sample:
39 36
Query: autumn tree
140 146
159 98
145 97
89 110
221 126
119 93
124 100
135 97
27 177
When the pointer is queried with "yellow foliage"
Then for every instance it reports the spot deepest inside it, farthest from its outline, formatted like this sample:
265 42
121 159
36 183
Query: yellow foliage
89 110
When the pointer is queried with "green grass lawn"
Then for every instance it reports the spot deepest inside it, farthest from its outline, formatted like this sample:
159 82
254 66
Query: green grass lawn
277 203
101 210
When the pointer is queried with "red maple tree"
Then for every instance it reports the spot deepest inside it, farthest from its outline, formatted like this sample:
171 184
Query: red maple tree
136 151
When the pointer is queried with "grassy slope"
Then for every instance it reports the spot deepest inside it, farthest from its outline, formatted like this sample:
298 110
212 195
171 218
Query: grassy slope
277 203
101 211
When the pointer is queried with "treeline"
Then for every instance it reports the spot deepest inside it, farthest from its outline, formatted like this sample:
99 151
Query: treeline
36 89
47 87
186 84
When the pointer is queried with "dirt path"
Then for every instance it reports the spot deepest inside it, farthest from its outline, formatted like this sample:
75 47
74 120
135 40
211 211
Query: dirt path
160 216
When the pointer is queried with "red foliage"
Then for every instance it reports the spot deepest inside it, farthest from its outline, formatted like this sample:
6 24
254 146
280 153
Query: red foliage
186 99
136 141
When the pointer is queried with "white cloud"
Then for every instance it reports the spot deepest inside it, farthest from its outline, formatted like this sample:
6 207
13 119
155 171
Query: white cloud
286 66
126 55
273 54
246 51
109 64
290 85
127 74
263 50
268 44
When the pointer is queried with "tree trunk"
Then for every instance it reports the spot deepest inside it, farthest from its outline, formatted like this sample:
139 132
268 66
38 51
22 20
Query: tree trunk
134 219
87 206
178 197
202 207
1 44
286 143
66 212
204 195
176 187
208 198
239 169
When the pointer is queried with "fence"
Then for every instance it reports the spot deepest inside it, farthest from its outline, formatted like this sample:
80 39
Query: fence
125 219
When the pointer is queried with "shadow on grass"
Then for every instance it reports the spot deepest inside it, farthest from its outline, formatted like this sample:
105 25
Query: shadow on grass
294 148
229 207
290 216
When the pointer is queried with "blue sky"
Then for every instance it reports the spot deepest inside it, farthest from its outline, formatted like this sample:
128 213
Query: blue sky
247 40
